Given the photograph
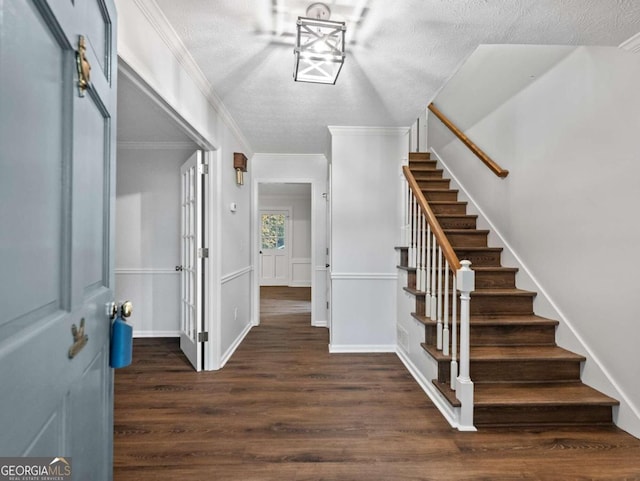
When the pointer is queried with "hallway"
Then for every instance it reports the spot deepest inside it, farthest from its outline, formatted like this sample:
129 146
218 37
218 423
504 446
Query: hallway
284 409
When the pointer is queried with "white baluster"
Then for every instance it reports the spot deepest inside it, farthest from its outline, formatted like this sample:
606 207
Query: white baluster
434 275
423 251
464 392
439 301
419 286
407 207
428 274
445 316
454 334
412 249
405 204
423 231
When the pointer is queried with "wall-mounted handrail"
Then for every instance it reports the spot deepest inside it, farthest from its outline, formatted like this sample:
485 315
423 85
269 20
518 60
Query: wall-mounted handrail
488 161
441 238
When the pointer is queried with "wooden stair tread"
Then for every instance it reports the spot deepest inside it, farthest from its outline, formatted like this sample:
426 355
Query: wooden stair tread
537 394
407 268
447 392
430 171
510 319
511 353
478 249
419 155
495 269
499 320
530 394
466 231
426 190
503 292
477 268
415 292
428 166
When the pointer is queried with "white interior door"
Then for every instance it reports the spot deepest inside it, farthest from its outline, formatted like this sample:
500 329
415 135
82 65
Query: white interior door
193 255
57 196
274 247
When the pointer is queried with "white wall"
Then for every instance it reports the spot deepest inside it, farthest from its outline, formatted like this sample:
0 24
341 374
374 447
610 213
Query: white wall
365 195
149 49
296 197
148 237
233 248
568 136
312 169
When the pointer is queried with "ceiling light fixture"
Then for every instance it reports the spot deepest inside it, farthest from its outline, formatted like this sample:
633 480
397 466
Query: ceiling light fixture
319 52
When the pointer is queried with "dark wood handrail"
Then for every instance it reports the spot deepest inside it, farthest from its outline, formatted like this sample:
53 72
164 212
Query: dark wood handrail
441 238
488 161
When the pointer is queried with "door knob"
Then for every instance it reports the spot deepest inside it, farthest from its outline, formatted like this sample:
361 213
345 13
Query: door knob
126 309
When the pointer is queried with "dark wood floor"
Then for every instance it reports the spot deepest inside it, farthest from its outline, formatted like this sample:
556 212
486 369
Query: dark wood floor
284 409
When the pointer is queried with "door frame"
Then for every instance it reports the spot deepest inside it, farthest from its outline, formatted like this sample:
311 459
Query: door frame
288 237
255 241
212 158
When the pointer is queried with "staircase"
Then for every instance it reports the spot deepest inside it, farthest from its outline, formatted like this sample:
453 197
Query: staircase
521 377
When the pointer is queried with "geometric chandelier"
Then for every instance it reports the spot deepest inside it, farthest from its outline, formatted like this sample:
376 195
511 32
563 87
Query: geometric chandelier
319 52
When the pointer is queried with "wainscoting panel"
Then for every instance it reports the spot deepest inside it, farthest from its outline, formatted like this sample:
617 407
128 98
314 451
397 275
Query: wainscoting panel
363 312
155 294
300 272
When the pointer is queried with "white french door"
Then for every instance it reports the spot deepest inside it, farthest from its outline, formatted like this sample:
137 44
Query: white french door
193 255
274 247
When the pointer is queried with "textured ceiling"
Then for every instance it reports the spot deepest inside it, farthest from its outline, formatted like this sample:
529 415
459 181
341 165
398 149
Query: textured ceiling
400 54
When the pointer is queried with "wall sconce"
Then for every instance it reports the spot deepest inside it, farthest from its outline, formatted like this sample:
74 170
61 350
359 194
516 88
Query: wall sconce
240 165
319 52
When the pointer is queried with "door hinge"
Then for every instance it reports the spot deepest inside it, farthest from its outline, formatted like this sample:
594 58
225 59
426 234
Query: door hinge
203 169
203 252
327 304
203 337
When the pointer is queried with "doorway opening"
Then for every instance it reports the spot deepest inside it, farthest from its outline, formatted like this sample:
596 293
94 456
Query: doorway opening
152 267
284 244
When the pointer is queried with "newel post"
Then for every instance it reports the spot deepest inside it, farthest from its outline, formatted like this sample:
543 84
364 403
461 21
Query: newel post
464 392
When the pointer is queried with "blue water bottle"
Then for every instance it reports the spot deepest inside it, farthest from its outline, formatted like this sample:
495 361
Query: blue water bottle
121 339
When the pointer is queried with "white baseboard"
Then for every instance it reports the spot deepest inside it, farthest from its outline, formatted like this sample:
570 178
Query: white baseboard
229 352
324 323
443 406
156 334
361 348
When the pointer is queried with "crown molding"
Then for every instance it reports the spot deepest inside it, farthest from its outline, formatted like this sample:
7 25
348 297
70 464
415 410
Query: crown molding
170 37
632 44
270 155
153 145
367 131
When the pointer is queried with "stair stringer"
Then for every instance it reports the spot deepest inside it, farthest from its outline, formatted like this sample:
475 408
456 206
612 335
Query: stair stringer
593 371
